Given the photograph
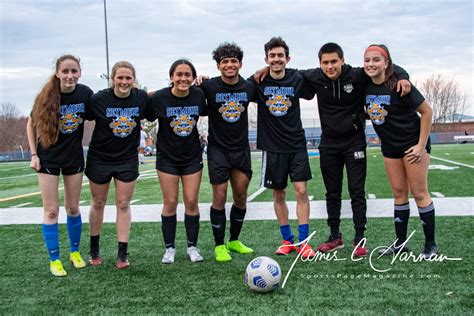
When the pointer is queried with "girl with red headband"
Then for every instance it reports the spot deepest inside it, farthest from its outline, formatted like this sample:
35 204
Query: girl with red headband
405 146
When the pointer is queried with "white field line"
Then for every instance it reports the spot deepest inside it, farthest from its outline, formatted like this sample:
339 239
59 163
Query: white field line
14 177
371 196
437 194
21 205
134 201
311 197
255 194
453 162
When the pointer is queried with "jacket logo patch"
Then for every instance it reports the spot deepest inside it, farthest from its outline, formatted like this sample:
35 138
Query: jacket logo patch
348 87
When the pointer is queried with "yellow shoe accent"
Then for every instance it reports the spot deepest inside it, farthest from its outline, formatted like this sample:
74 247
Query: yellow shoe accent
222 254
57 269
239 247
76 260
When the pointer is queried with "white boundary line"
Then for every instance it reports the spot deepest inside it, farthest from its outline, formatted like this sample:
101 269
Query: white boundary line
255 194
453 162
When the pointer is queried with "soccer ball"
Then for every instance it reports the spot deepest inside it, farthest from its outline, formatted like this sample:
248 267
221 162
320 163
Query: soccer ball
263 274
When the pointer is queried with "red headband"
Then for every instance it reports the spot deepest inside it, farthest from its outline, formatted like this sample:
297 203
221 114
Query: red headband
377 49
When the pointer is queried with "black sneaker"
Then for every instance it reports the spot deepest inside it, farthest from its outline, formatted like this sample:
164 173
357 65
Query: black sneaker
394 249
429 251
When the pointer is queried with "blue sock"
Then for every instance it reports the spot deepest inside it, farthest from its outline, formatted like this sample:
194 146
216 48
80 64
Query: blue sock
74 229
303 232
285 231
51 239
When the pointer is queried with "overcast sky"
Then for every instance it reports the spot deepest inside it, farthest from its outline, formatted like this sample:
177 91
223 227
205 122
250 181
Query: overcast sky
425 37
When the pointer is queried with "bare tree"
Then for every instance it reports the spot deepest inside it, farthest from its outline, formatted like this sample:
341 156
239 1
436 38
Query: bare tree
445 98
12 127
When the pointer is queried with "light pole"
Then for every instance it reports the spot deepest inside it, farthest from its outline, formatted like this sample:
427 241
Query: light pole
106 42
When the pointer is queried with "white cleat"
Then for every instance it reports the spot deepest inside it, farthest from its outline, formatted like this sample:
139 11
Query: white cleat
194 254
168 257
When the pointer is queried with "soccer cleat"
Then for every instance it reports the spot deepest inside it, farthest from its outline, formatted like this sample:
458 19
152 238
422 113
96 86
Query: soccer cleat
331 244
122 264
429 251
359 251
168 257
76 260
239 247
222 254
286 248
306 251
95 261
56 268
392 250
194 255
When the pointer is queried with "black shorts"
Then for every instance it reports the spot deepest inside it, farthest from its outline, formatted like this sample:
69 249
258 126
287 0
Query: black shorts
221 163
65 171
102 172
165 165
276 167
399 154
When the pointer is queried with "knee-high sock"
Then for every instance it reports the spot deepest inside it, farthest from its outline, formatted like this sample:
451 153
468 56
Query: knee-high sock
168 227
51 239
191 223
401 215
218 225
74 229
237 216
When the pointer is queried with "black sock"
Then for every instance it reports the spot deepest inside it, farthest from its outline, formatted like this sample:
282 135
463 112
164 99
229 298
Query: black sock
122 251
94 246
218 225
168 227
427 217
359 234
401 214
191 223
335 232
237 216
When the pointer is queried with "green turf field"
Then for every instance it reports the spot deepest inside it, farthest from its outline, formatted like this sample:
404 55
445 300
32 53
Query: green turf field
17 179
313 288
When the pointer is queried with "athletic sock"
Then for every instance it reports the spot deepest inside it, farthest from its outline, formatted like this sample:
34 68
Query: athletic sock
286 233
427 217
218 225
74 229
303 231
168 227
335 232
122 251
237 216
191 223
51 239
94 246
401 214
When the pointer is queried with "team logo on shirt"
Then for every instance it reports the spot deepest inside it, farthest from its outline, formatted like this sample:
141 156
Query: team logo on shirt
183 122
375 108
232 107
123 123
279 101
348 87
70 119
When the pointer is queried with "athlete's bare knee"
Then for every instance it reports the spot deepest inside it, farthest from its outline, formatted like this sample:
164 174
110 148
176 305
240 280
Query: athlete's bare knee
72 210
123 206
279 196
52 214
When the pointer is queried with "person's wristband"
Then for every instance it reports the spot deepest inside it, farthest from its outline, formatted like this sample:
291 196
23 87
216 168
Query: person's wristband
34 155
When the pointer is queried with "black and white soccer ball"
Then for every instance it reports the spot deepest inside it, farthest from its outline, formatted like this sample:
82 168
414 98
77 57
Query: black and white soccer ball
263 274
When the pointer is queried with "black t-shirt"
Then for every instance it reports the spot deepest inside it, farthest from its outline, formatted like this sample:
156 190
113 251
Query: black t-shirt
228 116
279 120
394 118
116 135
341 101
178 137
67 151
